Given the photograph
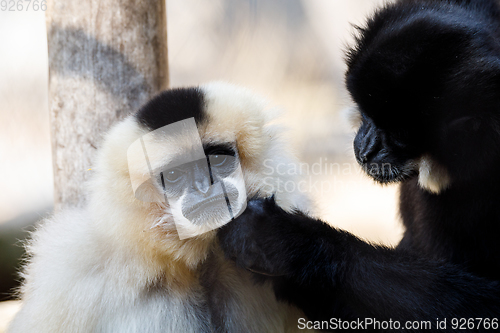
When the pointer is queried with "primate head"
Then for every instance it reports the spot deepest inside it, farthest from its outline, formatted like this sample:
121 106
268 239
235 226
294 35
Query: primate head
183 165
425 77
201 183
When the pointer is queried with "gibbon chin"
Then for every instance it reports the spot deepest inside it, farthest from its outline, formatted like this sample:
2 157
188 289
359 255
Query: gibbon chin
120 264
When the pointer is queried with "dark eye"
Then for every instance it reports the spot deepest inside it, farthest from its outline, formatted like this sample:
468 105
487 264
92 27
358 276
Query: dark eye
218 160
173 175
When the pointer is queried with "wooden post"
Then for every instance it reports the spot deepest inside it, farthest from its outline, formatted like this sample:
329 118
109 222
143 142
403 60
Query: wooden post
106 58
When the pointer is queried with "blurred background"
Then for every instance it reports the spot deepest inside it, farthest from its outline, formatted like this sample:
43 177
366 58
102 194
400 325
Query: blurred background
287 50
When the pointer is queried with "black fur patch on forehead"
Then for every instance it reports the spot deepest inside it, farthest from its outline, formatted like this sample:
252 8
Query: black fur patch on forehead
171 106
219 148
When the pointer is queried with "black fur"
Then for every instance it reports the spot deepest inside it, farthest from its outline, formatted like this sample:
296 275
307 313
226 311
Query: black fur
330 273
219 149
171 106
426 77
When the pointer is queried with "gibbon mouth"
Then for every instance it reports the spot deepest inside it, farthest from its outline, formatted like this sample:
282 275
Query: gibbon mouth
213 203
387 173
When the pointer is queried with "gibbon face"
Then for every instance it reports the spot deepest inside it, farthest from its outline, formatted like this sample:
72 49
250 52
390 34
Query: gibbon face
428 95
201 183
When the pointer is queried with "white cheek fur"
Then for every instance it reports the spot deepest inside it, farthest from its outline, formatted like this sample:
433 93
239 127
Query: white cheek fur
432 176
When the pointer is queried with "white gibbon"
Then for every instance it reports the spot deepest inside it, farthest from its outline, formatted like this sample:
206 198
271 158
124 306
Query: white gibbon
121 265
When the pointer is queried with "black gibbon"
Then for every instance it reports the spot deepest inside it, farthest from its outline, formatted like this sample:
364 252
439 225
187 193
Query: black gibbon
425 76
121 264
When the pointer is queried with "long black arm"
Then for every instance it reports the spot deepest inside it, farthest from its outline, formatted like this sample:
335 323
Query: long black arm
329 273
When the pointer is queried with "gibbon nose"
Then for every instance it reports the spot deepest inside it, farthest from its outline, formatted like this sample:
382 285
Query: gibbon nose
366 144
202 184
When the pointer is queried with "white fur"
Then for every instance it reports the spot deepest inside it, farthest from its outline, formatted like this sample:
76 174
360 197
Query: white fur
432 176
352 116
118 264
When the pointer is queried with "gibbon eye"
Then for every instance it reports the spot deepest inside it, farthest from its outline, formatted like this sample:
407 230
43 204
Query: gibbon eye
173 175
218 160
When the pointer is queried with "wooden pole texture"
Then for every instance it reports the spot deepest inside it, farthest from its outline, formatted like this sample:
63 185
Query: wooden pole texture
106 58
